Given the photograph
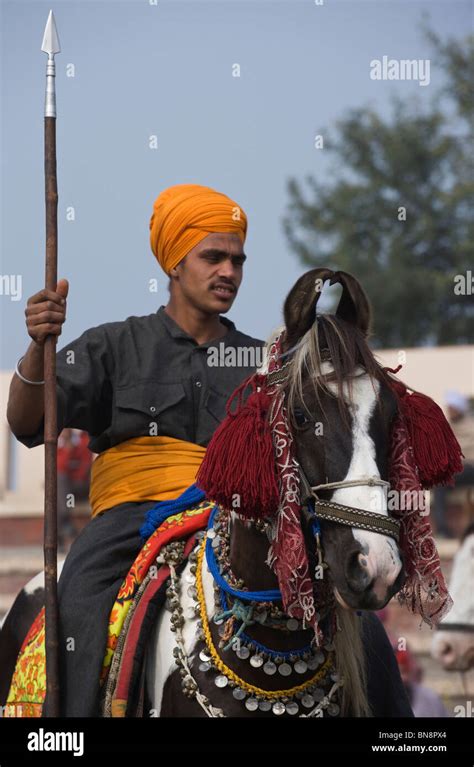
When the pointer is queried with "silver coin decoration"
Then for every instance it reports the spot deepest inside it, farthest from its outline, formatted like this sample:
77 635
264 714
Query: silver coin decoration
278 708
270 668
318 694
292 624
251 704
299 694
299 661
238 693
300 666
315 661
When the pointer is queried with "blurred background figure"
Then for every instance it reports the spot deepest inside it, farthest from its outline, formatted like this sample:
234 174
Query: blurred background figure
74 466
424 701
453 643
462 422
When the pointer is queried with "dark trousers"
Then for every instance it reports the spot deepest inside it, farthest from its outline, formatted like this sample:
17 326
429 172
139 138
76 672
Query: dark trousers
93 572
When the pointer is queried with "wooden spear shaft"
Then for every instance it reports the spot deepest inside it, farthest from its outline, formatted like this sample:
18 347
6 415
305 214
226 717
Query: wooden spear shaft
51 46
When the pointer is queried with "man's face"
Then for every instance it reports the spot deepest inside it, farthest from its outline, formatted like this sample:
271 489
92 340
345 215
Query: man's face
210 274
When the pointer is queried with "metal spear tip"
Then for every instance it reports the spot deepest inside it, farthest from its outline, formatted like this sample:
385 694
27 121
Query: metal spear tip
51 39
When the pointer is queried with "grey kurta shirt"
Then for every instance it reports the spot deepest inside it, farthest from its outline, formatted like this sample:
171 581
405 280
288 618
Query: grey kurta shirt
145 376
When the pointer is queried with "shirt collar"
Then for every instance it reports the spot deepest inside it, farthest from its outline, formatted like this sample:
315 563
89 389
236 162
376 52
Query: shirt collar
176 332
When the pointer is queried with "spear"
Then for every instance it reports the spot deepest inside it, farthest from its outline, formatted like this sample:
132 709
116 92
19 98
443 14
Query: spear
51 47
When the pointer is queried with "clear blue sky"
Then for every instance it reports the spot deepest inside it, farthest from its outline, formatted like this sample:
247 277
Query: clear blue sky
142 69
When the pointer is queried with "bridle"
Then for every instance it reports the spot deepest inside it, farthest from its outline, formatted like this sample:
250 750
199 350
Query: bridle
349 515
339 512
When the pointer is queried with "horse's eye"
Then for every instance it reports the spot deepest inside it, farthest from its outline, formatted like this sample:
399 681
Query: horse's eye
300 417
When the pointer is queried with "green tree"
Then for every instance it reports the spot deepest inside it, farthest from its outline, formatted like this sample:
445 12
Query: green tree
416 162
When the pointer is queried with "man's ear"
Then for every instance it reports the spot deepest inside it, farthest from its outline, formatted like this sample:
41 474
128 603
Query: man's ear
174 271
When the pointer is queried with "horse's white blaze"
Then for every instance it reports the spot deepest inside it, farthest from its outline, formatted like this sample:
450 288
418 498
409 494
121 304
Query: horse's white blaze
160 661
383 560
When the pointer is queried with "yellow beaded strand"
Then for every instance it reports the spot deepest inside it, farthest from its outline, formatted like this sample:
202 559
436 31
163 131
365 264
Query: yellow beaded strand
218 662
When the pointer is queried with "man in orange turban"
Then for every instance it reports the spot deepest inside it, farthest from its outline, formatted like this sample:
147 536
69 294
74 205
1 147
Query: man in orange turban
197 237
147 394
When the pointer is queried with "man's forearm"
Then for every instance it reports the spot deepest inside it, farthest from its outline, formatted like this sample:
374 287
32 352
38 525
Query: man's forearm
25 407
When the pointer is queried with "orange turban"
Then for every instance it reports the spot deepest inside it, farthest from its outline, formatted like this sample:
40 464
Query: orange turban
186 213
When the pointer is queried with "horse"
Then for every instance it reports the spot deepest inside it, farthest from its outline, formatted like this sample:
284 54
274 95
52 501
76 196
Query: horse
227 643
453 643
340 407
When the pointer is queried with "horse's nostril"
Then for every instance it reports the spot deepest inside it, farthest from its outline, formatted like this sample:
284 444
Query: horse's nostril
357 574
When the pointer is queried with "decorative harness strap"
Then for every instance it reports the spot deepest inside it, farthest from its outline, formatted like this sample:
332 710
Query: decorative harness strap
365 520
349 515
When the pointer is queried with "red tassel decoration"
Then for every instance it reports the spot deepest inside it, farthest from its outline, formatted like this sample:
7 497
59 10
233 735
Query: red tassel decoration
238 470
436 450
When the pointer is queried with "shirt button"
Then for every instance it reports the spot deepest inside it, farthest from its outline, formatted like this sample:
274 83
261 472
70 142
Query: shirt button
198 383
152 409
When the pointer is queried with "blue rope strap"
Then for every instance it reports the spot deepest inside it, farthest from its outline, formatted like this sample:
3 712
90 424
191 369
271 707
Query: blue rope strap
273 595
286 654
164 509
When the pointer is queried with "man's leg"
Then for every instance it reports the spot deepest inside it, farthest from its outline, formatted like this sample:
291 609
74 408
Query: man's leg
93 572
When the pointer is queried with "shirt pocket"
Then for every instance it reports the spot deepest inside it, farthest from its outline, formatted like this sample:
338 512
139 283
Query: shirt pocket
145 404
215 404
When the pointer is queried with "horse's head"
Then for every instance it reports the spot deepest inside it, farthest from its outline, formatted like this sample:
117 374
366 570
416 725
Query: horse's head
340 408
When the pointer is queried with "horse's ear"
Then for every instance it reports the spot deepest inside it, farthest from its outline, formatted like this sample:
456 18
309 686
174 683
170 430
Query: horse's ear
354 306
299 311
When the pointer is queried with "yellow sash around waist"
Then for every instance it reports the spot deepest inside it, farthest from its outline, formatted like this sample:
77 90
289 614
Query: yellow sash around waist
143 469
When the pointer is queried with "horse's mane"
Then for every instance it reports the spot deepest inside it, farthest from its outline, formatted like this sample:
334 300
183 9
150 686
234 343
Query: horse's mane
348 350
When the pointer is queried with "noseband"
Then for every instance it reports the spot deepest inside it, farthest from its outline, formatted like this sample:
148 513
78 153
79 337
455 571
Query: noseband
349 515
